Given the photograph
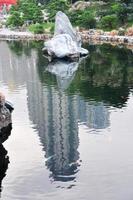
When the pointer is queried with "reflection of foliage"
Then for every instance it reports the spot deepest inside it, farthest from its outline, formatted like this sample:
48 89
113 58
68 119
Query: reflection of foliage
20 48
45 77
105 76
16 47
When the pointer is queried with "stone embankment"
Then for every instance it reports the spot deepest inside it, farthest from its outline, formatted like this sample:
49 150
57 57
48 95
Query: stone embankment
6 34
106 38
95 36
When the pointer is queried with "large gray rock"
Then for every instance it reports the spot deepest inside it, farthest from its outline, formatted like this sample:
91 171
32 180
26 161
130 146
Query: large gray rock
63 26
66 42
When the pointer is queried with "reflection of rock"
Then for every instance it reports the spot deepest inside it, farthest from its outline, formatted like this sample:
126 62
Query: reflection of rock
64 71
66 41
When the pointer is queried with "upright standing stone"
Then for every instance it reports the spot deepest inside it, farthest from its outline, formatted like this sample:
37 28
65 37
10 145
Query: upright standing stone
66 42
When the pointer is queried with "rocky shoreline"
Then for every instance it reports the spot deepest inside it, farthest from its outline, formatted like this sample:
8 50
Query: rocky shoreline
6 34
105 38
86 36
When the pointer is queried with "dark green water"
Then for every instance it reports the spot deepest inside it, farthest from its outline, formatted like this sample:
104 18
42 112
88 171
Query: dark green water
72 135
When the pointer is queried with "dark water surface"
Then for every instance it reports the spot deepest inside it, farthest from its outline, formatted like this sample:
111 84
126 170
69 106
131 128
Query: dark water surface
72 135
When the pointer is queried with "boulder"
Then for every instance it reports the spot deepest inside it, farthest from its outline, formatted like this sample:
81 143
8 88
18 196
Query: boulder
66 41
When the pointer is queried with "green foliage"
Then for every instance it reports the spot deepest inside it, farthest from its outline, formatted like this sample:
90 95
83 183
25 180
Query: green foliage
41 28
84 18
36 28
116 7
104 74
109 22
31 11
113 14
121 11
15 20
121 31
48 27
54 6
25 11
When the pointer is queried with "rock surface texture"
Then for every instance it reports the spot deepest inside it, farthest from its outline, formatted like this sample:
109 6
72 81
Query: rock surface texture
5 117
66 42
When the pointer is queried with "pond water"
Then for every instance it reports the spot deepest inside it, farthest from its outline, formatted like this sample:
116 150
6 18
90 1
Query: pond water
72 135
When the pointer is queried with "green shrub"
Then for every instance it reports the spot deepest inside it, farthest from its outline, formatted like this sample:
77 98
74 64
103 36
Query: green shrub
121 31
27 10
109 22
42 28
56 5
36 28
83 19
121 11
48 27
15 20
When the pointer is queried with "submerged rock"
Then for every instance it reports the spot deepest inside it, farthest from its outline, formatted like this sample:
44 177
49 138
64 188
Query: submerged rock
66 41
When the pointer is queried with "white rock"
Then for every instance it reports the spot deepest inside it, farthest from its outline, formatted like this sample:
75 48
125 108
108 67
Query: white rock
66 41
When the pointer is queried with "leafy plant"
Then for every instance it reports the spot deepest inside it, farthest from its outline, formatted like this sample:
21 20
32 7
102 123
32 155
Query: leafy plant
36 28
15 20
24 12
54 6
109 22
84 18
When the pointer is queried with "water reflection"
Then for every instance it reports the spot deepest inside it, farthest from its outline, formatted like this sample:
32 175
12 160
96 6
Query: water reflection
88 90
5 131
56 121
107 75
64 70
57 117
